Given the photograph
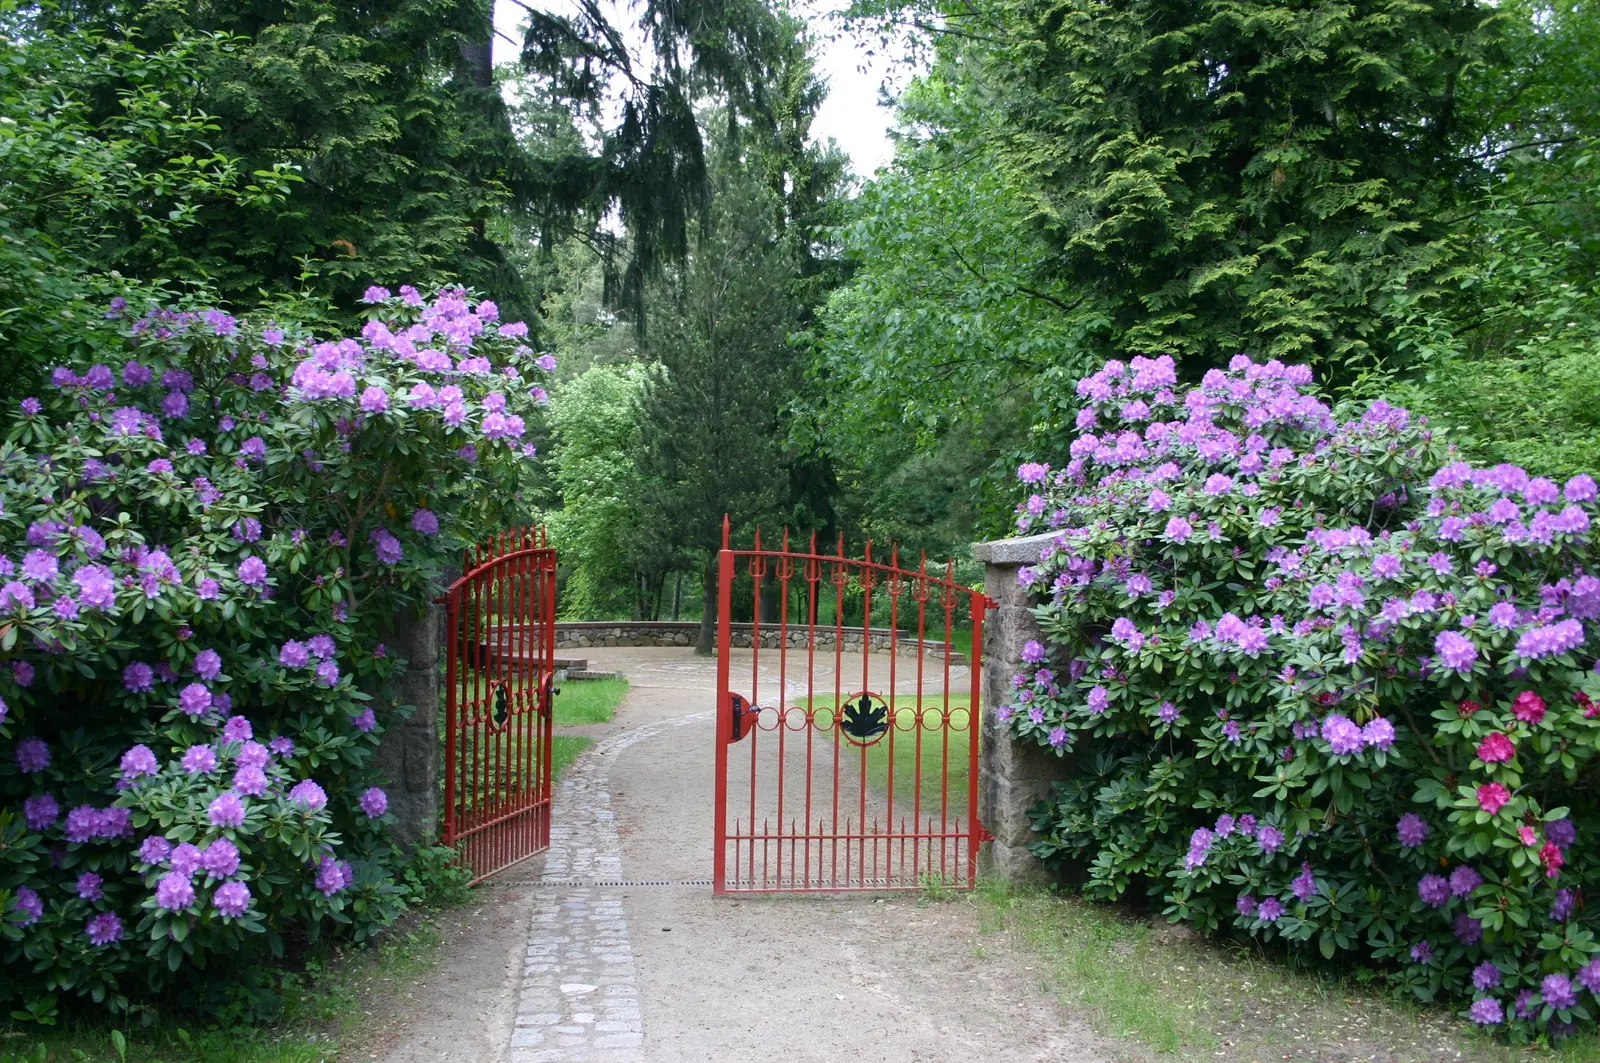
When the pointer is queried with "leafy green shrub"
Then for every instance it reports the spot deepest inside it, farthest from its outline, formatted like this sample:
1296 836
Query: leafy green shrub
201 551
1322 683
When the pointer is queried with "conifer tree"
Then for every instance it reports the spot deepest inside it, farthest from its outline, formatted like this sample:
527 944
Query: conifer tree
408 156
1229 175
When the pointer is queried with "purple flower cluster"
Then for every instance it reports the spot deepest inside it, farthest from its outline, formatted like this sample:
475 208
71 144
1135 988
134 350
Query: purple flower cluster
1247 485
1345 737
334 876
87 823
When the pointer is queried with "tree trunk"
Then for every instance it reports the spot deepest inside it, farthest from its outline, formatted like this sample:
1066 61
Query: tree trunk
707 641
477 60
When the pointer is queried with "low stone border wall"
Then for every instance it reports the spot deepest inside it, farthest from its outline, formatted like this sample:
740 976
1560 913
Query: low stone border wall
582 634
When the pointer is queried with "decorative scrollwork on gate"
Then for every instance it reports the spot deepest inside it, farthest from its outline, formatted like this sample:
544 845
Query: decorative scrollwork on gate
500 710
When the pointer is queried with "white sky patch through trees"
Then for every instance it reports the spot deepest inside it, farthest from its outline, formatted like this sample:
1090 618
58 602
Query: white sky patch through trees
851 115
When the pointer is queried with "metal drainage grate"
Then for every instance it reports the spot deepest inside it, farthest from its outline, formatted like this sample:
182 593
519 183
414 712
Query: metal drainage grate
569 883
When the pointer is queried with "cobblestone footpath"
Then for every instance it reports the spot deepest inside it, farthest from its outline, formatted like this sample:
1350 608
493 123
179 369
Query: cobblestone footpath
579 1001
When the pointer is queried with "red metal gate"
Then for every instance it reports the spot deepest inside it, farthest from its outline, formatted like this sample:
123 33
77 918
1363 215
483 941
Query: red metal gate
847 757
499 669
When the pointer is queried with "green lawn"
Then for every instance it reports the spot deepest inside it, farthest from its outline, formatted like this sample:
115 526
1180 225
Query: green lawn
322 1006
1136 977
583 701
564 749
580 702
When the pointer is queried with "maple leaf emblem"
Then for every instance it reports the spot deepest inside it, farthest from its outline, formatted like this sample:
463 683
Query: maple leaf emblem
865 718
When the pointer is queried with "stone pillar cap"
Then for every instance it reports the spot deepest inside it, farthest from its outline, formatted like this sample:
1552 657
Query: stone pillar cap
1022 550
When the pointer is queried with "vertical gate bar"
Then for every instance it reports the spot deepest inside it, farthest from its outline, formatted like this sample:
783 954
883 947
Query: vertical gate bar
505 831
895 591
866 684
480 787
464 738
724 713
783 688
536 672
948 599
980 602
813 571
451 704
840 575
543 705
469 711
528 725
524 671
521 675
497 670
533 622
479 738
469 743
547 680
548 750
757 570
508 736
497 833
516 682
916 768
509 815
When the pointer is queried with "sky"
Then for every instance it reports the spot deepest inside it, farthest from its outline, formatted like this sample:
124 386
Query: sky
851 115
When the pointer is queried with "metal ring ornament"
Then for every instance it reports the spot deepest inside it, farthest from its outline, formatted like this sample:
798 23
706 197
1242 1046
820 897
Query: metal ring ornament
814 716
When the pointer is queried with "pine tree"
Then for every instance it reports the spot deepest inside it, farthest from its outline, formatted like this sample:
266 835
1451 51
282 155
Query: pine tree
713 418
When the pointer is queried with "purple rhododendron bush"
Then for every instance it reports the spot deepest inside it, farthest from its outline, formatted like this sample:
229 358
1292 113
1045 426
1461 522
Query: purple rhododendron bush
201 550
1322 683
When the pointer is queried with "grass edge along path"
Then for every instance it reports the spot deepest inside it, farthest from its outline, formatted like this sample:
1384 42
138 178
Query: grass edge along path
581 703
324 1006
1186 997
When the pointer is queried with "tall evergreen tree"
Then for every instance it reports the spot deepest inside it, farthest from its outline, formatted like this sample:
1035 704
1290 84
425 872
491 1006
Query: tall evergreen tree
1230 175
408 155
713 419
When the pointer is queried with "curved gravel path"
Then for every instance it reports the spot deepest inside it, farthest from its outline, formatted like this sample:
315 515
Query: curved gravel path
629 959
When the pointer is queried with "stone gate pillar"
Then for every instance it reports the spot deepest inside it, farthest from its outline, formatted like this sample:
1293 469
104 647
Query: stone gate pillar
1012 776
408 753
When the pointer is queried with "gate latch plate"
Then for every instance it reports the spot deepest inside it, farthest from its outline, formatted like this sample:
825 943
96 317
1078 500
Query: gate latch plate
744 716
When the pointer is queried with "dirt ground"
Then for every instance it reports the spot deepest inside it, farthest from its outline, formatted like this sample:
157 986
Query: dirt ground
897 979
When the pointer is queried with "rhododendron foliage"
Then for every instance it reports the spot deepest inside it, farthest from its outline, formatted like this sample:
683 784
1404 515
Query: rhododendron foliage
204 542
1262 608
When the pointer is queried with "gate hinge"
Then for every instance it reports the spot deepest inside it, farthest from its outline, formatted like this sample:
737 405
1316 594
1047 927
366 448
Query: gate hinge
990 603
984 835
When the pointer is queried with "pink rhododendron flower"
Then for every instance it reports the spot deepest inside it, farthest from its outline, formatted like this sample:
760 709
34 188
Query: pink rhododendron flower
1496 748
1492 797
1528 707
